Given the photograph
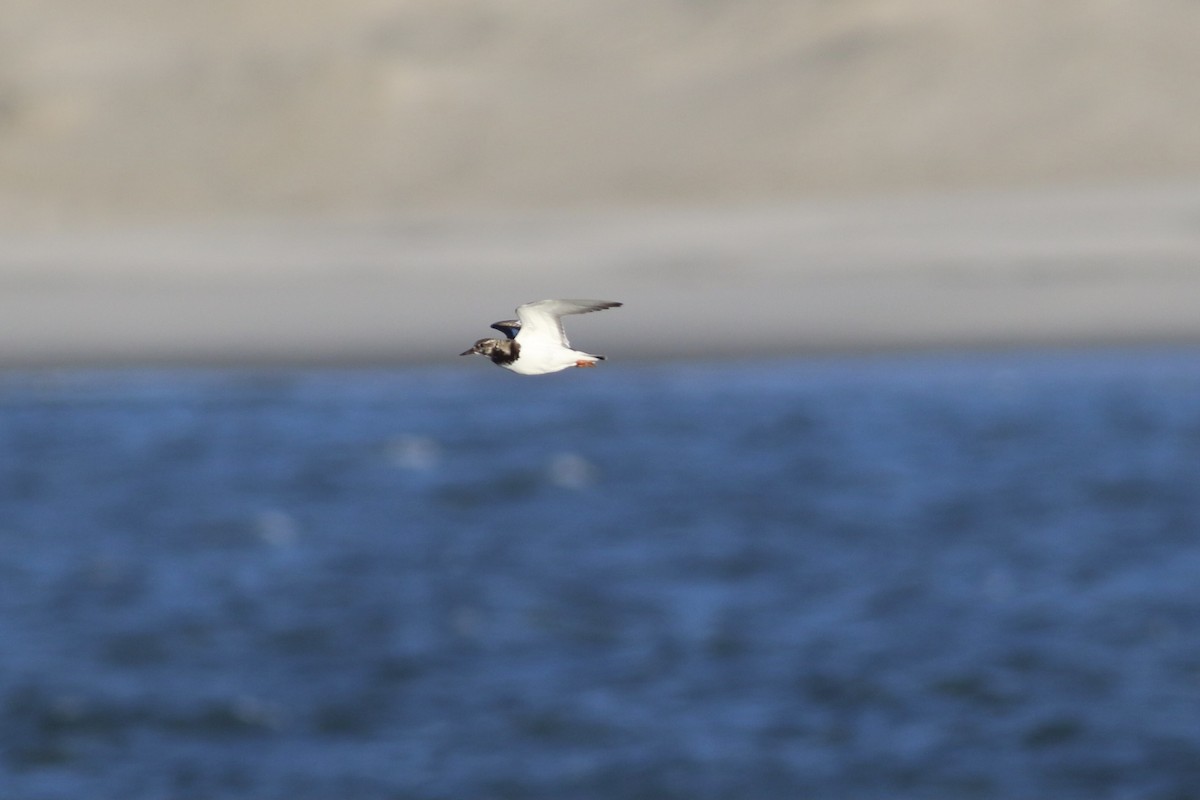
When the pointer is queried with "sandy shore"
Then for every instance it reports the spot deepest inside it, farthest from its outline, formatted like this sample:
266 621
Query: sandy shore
266 182
121 112
936 270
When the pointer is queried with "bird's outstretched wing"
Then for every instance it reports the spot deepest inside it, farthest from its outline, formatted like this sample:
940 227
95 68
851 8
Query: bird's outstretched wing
542 319
509 327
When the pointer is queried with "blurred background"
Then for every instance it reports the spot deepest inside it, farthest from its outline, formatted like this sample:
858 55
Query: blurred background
251 181
888 487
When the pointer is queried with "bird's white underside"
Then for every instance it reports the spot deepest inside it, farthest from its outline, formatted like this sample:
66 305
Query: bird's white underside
544 344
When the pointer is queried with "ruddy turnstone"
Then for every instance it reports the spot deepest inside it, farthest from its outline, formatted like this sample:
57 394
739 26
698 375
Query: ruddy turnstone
536 342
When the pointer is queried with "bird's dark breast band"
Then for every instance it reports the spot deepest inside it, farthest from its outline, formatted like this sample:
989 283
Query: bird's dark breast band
507 355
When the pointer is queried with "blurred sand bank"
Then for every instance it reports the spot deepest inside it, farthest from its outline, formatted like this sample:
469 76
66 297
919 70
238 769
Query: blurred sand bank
935 270
138 110
372 179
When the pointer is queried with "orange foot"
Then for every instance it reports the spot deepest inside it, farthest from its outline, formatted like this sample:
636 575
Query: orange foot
583 363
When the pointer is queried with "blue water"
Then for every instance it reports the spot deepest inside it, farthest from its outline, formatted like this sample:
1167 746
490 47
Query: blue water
961 577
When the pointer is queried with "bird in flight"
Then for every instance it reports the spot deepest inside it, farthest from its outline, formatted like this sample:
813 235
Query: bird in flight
535 342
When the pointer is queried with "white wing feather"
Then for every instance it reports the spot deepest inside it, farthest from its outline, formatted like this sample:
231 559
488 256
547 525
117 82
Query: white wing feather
541 321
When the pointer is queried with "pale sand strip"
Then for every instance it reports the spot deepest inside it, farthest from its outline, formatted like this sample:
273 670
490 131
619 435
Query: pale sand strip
982 269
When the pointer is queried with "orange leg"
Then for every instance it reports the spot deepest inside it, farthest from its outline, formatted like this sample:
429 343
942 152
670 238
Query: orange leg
584 363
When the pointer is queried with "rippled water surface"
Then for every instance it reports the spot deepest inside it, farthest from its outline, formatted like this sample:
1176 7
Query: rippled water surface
972 576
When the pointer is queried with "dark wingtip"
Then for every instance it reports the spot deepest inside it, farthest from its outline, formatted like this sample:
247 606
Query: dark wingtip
509 327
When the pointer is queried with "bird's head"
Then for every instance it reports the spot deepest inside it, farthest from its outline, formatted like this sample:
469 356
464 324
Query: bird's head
484 347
